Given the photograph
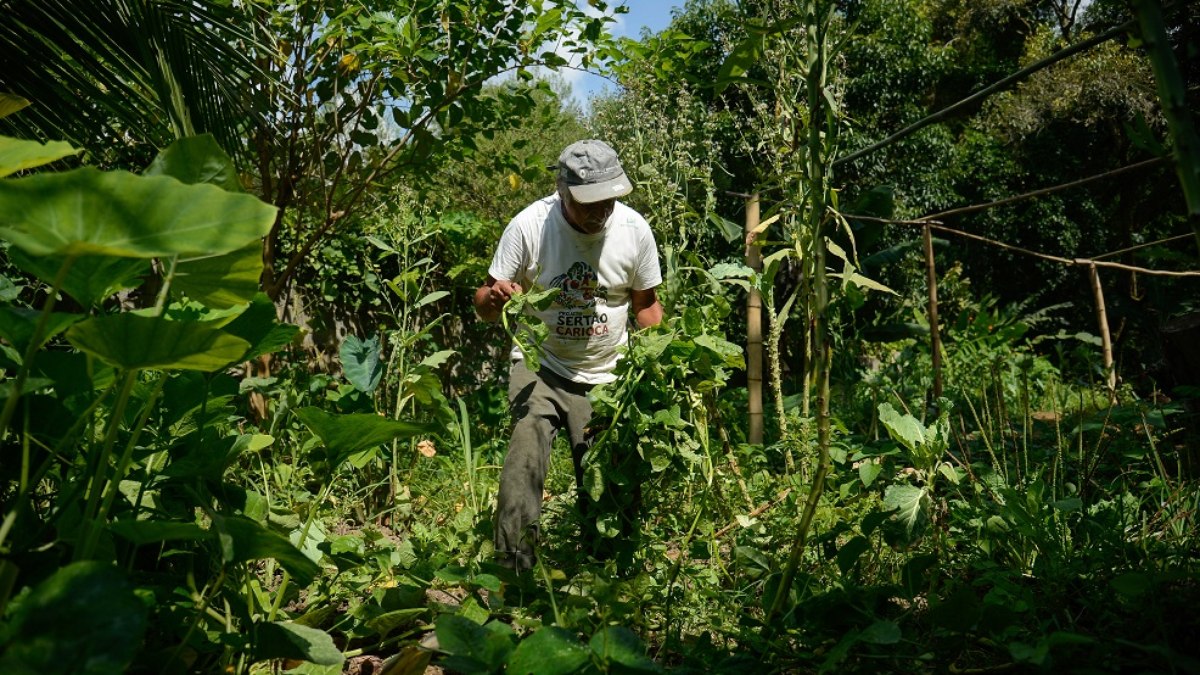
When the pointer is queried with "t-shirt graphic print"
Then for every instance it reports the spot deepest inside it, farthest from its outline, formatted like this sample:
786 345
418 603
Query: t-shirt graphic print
595 275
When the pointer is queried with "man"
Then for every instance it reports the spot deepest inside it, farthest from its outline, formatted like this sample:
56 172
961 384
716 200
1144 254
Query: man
601 256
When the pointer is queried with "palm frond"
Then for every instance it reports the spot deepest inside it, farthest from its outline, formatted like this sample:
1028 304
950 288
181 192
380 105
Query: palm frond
113 74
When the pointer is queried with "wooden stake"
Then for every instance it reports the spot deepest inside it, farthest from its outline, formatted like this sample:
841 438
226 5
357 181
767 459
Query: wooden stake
754 340
1105 336
935 339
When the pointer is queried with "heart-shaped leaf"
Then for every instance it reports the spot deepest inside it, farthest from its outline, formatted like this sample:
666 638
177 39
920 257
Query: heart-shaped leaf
88 211
221 281
345 435
360 362
197 159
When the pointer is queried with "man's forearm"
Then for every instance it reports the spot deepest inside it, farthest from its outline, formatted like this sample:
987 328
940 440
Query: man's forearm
649 316
483 305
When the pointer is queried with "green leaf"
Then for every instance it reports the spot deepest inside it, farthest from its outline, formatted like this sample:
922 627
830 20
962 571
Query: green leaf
345 435
881 633
9 104
904 429
84 618
221 281
17 325
390 621
287 640
148 531
18 155
137 342
90 278
549 651
729 352
868 472
243 540
88 211
864 282
850 552
436 359
258 326
473 648
431 298
911 505
619 645
731 271
361 364
1132 584
195 160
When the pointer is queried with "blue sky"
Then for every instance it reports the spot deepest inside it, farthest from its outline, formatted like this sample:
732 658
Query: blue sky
652 14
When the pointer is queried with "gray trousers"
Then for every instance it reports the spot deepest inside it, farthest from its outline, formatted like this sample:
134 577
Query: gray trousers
543 403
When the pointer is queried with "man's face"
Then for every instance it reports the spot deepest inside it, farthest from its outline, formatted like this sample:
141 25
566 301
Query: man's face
589 218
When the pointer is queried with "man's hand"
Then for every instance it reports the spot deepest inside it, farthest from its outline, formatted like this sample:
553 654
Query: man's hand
490 297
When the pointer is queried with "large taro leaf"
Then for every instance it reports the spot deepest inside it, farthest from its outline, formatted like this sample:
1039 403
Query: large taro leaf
345 435
258 326
221 281
90 278
135 342
196 159
244 540
85 618
287 640
18 155
550 651
87 212
361 363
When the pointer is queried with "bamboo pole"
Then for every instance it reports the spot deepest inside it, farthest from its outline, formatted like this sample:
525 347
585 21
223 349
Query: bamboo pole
1172 92
754 340
935 340
1105 336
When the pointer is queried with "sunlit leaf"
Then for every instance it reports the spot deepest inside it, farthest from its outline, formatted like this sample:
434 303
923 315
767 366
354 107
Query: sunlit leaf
361 363
905 429
137 342
288 640
345 435
244 540
549 651
911 505
18 155
196 159
221 281
90 279
88 211
11 103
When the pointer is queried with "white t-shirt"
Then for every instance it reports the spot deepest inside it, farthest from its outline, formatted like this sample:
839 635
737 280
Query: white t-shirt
596 275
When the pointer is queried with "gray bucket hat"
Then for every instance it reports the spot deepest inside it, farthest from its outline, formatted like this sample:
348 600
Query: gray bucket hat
592 172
